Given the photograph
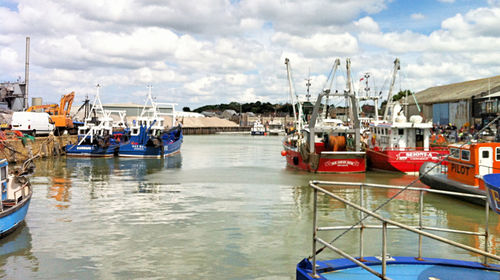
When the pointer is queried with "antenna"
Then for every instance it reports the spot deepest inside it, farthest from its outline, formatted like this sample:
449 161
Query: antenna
308 85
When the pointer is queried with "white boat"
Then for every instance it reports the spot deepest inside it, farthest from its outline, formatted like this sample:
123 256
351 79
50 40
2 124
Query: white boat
275 127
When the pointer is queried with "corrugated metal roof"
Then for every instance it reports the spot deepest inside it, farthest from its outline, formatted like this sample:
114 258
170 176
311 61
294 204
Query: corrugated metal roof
457 91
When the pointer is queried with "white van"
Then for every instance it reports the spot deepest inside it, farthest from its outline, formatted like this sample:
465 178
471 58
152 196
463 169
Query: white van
33 123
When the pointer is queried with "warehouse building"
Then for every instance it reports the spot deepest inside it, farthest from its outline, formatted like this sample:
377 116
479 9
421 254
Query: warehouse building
462 104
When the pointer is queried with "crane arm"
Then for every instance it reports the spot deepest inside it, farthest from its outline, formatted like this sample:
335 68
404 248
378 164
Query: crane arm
389 95
66 102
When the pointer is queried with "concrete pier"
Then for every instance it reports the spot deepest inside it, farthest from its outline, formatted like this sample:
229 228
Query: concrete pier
15 151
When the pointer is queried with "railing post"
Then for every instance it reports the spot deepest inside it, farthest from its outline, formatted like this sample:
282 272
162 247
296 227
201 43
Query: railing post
384 248
420 223
486 231
315 231
361 229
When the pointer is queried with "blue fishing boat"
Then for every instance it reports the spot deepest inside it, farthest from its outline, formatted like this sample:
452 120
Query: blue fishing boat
16 197
492 182
385 266
96 138
148 137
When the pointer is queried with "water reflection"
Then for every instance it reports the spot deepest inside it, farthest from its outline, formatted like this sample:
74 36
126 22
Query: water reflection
15 249
60 190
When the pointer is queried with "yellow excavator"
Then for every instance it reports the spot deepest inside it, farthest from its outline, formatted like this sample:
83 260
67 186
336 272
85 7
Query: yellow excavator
59 113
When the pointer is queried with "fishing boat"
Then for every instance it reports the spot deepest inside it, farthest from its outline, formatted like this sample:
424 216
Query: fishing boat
148 137
418 265
398 144
16 197
492 182
464 169
95 137
258 128
324 145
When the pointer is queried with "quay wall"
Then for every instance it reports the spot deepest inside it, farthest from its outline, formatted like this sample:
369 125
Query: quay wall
14 150
213 130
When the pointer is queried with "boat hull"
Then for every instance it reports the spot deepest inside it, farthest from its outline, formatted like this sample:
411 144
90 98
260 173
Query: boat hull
259 133
437 180
142 151
330 163
399 268
406 161
90 150
11 218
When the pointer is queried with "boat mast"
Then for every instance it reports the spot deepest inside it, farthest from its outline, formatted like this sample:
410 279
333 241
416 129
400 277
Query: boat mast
294 97
334 67
389 95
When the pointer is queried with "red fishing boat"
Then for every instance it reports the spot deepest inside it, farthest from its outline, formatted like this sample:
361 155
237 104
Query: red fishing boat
396 144
325 145
402 146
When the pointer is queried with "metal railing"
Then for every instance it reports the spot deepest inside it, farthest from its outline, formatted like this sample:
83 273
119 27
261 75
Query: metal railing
390 224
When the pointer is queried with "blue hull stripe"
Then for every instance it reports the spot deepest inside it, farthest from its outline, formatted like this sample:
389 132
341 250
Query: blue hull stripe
129 150
89 150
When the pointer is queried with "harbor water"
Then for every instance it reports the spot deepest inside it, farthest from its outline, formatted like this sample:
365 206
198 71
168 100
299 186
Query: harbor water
226 207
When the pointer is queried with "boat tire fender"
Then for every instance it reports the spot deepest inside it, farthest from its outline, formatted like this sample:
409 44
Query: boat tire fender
296 160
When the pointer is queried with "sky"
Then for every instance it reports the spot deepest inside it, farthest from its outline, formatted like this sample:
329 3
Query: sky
196 53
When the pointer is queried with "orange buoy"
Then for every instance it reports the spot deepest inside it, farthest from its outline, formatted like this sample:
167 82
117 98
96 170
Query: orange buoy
283 153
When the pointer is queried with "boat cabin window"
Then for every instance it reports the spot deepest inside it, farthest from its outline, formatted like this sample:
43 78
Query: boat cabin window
498 153
466 155
401 131
135 131
4 173
485 154
455 153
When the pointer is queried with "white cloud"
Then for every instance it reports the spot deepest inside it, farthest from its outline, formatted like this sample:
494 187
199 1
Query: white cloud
447 1
198 53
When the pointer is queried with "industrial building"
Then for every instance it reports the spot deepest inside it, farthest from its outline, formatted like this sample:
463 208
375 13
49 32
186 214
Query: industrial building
13 96
468 103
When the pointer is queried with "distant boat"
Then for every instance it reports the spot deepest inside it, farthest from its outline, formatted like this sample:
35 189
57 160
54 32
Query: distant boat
276 128
258 128
148 137
16 197
96 137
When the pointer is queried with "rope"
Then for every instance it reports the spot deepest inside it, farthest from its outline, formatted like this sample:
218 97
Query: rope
400 191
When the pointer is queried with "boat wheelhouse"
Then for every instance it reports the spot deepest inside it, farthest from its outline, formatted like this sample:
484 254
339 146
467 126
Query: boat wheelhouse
464 169
16 196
